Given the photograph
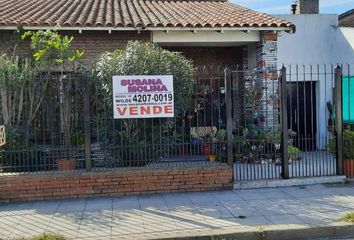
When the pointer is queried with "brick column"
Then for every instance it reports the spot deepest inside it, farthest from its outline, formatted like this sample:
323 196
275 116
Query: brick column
266 56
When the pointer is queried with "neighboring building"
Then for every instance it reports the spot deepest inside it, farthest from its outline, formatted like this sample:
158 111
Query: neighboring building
321 41
347 19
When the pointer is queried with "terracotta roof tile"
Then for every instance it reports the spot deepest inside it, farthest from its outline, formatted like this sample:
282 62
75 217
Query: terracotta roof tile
133 13
347 19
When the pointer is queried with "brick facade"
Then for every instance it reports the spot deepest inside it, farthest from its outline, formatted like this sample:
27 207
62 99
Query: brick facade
94 43
61 185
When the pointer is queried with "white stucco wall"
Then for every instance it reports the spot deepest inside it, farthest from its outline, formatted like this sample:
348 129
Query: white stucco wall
318 40
317 46
205 38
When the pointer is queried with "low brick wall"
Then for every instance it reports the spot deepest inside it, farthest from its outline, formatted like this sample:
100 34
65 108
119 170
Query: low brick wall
65 185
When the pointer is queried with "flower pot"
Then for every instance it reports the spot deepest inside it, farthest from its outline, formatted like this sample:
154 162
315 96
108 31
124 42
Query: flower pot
66 164
348 168
211 158
206 149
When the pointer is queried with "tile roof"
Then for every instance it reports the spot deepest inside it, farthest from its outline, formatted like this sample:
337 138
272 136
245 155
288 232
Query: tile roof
347 19
133 14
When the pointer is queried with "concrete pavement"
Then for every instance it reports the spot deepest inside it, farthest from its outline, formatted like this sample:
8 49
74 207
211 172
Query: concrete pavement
278 213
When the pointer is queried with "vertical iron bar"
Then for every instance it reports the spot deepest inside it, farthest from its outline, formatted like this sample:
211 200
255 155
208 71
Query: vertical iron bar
86 98
228 79
284 124
339 119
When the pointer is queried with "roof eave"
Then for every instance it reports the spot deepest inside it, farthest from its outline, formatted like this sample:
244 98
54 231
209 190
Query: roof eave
77 28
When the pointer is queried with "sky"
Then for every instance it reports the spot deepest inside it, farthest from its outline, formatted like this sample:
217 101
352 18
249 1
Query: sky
283 6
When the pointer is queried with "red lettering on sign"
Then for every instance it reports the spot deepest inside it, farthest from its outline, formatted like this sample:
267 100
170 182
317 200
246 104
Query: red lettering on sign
145 110
157 109
168 109
122 111
133 110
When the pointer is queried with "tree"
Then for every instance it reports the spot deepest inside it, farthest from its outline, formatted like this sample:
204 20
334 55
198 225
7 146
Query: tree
50 47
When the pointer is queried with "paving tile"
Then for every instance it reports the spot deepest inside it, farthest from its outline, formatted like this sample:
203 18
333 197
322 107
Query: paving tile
129 203
16 209
8 224
254 221
315 219
285 219
244 211
216 223
71 206
99 204
123 226
247 196
322 191
228 197
45 207
199 197
216 212
276 194
298 193
158 221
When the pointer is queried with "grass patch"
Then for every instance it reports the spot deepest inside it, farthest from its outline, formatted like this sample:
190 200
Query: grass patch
348 218
46 236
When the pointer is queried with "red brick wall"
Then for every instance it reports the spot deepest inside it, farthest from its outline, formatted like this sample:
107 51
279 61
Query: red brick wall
61 185
94 43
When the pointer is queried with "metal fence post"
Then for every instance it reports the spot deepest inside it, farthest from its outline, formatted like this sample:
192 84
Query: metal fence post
284 124
228 101
339 118
86 99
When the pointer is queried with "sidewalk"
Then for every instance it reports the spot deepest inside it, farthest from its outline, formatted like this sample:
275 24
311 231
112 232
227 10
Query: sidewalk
280 213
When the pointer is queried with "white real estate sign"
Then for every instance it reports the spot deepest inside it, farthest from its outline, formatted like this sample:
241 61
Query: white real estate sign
144 96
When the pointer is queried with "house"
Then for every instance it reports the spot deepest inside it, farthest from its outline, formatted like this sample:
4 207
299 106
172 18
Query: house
212 32
320 43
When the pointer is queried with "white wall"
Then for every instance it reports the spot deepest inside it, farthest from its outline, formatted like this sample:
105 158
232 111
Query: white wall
204 38
320 43
318 40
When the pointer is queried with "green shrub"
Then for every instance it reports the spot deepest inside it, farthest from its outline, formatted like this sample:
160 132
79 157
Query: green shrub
139 58
348 145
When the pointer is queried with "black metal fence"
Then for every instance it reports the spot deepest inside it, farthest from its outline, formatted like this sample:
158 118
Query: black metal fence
291 121
265 122
74 128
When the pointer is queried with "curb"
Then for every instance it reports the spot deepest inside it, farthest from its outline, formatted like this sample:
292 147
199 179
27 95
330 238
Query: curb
274 183
279 232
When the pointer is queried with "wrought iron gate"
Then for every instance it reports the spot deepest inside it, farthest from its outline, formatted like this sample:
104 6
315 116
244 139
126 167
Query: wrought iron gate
282 124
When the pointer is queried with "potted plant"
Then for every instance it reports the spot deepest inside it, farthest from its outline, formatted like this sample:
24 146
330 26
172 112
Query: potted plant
293 153
206 146
348 153
179 143
330 122
212 157
221 135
